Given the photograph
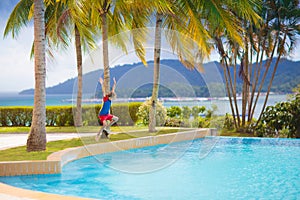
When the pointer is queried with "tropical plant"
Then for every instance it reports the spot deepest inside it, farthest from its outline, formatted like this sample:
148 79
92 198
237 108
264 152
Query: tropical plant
281 120
274 34
186 112
37 136
143 113
192 33
181 31
69 19
174 112
196 110
113 19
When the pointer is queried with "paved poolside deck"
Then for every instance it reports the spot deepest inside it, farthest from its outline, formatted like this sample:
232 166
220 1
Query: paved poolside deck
20 139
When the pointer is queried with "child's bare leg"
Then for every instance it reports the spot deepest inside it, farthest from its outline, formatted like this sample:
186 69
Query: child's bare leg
101 130
113 121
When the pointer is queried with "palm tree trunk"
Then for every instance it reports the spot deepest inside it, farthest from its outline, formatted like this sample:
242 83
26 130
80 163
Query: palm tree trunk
273 75
264 78
157 47
234 95
37 136
254 83
105 53
228 80
78 112
229 94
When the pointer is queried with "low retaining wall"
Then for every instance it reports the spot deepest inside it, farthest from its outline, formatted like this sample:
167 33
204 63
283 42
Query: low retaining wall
55 161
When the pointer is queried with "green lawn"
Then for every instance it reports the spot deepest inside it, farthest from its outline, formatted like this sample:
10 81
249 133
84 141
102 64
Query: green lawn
68 129
20 153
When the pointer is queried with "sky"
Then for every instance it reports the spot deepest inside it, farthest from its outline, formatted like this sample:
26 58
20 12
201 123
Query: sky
17 69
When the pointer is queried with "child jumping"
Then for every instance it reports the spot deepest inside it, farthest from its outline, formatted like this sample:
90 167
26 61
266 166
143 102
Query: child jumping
104 115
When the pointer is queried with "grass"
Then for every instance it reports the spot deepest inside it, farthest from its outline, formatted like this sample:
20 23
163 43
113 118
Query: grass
20 153
68 129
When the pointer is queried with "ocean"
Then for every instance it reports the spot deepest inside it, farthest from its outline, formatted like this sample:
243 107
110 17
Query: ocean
14 99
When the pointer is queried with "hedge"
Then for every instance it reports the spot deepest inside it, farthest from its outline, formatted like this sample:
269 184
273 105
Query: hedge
63 115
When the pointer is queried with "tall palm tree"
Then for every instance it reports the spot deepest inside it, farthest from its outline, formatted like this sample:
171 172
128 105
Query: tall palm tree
287 28
113 18
62 19
191 19
21 16
69 19
37 136
275 34
170 14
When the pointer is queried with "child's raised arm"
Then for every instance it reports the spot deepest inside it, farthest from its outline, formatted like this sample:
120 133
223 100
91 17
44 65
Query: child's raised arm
102 86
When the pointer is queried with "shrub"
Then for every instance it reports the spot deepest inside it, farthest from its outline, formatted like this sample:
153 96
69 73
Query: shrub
143 113
186 112
63 115
281 120
196 110
15 116
174 122
126 113
201 122
174 112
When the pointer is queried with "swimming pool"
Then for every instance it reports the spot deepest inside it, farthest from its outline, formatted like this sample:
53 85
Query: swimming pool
235 168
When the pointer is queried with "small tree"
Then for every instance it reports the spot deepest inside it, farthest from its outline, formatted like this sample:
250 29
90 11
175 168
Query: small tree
143 113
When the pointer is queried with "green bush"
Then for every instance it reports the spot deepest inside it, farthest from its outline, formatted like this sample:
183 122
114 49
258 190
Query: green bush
174 112
186 112
201 122
144 109
59 116
126 113
174 122
281 120
196 110
15 116
63 115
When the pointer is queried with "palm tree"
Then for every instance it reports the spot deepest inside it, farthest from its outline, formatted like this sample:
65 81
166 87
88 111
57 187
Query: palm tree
170 14
113 18
62 19
191 18
69 19
37 136
287 28
275 33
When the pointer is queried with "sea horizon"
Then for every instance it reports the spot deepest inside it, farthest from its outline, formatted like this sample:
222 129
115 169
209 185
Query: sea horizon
15 99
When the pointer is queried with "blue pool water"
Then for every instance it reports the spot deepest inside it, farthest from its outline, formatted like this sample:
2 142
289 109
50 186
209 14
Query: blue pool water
210 168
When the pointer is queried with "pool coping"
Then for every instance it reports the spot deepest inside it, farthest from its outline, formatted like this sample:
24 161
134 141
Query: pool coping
55 161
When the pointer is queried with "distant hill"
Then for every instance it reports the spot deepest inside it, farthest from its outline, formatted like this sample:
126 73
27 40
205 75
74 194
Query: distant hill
134 80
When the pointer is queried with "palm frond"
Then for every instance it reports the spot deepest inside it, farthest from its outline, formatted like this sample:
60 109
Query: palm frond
18 18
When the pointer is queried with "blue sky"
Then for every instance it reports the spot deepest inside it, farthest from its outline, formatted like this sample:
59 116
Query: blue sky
17 70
